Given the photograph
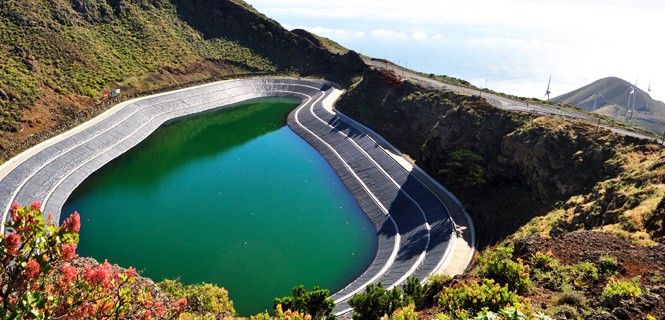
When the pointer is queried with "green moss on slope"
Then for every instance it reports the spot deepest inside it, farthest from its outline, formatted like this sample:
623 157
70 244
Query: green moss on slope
59 57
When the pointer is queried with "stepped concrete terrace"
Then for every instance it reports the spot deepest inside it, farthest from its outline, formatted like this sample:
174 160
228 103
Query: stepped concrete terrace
422 229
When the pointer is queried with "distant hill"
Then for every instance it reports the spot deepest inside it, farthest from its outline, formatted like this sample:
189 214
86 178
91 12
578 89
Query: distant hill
610 96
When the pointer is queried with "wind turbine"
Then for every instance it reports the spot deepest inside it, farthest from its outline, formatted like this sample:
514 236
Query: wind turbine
630 95
631 107
595 100
648 97
547 92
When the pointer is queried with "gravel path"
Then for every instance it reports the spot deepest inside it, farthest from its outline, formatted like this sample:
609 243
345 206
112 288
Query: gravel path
507 103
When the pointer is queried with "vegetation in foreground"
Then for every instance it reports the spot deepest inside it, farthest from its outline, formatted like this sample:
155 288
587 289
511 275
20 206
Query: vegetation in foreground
506 284
41 277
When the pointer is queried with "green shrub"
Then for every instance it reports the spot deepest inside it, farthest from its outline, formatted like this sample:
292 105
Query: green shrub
622 289
556 280
562 278
510 313
464 169
486 315
316 302
414 292
441 316
474 296
608 266
571 298
543 261
405 313
205 299
583 273
547 271
376 302
435 283
498 265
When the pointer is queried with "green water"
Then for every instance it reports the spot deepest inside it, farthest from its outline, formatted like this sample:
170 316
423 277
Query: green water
232 197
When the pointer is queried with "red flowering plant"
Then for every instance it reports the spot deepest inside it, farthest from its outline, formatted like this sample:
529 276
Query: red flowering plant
42 278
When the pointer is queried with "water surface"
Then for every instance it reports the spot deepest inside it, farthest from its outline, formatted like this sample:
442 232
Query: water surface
232 197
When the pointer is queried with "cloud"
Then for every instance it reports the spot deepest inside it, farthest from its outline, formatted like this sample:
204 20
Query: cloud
567 16
387 33
337 32
328 32
419 35
574 41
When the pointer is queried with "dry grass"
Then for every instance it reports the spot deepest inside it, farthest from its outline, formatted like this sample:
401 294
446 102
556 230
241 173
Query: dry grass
620 205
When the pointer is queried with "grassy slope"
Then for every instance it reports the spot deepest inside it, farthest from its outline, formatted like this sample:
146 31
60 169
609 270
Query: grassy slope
58 57
629 205
82 50
56 52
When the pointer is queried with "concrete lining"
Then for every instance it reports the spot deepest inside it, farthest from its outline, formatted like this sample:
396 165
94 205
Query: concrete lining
415 217
435 242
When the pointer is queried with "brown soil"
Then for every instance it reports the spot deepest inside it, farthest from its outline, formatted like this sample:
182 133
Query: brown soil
647 263
576 247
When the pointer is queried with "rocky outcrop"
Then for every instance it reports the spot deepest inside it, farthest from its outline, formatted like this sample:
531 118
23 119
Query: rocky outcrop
554 158
656 222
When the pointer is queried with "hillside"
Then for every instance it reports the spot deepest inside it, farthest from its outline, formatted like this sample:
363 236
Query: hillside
525 164
59 57
532 183
609 96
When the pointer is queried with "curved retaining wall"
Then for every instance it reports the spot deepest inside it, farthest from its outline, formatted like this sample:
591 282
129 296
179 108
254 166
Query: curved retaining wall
414 226
52 173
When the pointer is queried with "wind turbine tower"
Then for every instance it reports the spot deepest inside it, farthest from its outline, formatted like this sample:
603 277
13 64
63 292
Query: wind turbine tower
630 108
649 97
547 92
595 100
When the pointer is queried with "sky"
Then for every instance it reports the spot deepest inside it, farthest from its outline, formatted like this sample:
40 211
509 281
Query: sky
512 46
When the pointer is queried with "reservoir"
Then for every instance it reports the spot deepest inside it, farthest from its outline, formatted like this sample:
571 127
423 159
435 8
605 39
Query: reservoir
231 197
